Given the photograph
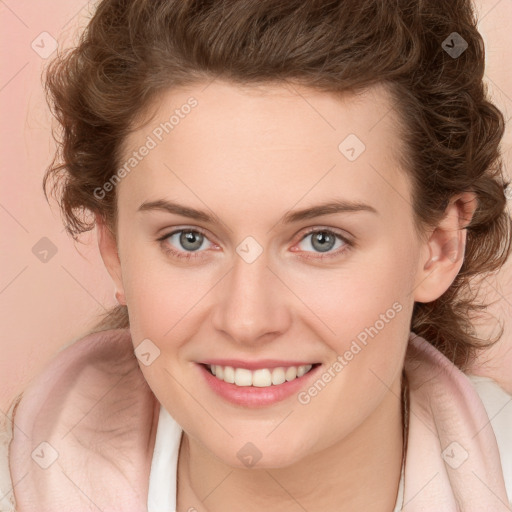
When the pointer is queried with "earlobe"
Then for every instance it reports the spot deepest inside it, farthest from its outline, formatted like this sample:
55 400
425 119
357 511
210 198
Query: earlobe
120 298
110 256
445 249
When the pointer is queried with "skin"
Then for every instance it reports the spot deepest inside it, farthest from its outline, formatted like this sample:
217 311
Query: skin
249 156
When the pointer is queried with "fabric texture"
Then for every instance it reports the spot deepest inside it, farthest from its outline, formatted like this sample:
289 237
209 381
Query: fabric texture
498 405
85 436
7 502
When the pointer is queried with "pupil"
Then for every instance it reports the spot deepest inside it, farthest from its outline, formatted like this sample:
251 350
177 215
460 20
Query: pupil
188 237
322 237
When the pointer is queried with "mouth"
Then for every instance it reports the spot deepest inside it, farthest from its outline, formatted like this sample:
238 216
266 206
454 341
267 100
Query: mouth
257 387
260 377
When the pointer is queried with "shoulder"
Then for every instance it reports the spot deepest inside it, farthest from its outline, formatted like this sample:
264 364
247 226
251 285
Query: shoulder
445 401
498 405
7 503
87 413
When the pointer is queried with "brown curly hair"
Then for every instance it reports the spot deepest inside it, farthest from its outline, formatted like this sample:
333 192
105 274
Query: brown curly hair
132 50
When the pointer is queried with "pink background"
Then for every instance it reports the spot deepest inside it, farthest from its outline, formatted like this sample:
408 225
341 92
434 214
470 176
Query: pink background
44 306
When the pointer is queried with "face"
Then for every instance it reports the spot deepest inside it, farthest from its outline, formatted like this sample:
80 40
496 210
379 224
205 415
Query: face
250 280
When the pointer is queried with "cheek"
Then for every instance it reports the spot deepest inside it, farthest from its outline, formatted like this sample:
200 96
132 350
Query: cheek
371 289
158 301
157 291
365 313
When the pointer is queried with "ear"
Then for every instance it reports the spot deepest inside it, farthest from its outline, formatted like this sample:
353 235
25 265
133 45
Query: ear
443 254
109 253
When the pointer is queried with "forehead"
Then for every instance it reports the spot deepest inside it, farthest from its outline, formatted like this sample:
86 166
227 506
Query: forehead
291 142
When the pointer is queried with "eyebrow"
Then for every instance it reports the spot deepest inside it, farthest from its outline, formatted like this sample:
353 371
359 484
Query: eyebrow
329 208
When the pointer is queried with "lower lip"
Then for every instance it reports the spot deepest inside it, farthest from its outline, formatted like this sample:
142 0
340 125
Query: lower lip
251 396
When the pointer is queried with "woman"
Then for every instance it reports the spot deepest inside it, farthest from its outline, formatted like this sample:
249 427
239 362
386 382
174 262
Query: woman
335 168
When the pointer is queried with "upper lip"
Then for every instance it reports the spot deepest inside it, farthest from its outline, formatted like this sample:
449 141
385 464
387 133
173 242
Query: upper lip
255 365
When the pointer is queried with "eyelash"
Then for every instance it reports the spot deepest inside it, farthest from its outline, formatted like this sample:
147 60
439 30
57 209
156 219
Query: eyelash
192 255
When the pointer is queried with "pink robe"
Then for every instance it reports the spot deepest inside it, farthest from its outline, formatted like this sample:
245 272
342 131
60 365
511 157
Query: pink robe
84 434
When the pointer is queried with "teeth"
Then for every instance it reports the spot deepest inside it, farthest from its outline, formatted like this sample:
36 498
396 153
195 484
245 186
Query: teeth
261 378
229 375
291 373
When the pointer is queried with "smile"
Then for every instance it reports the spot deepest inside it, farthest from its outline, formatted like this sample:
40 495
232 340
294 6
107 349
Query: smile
259 387
264 377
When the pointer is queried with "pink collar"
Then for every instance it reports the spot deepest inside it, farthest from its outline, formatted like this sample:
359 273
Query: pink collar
63 460
453 462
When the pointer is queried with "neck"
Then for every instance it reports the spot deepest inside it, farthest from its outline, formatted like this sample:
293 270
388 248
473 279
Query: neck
339 478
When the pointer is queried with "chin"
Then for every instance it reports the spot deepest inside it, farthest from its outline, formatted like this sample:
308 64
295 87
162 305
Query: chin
258 455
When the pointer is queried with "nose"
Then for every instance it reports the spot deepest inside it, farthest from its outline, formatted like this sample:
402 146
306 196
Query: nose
252 303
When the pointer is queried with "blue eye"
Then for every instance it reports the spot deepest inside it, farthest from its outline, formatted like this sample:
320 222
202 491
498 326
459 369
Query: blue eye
324 241
192 240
